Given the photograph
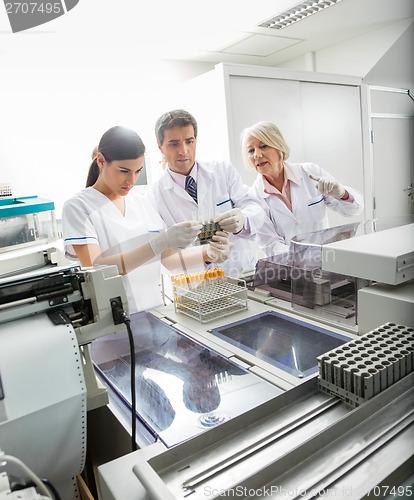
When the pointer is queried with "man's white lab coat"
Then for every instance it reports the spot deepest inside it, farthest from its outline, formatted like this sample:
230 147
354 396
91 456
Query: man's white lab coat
219 189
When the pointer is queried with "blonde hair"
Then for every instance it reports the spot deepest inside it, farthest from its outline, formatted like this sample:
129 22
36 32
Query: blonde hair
267 133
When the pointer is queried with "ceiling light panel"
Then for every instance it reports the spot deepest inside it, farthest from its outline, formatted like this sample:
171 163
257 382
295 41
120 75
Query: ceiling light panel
301 11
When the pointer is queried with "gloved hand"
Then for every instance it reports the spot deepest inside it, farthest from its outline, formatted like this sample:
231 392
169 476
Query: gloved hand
231 221
178 236
218 250
328 186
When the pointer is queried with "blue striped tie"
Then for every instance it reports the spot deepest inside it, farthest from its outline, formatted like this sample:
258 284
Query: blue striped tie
191 187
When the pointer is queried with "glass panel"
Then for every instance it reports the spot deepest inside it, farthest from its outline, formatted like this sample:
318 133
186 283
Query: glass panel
297 276
284 342
182 387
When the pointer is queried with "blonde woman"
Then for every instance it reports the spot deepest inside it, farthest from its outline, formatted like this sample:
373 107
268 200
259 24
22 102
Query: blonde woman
295 196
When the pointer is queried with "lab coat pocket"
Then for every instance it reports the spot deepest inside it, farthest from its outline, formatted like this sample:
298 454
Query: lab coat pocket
316 200
225 204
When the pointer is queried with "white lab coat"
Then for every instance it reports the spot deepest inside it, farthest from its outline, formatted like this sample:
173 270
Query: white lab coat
91 218
219 189
308 209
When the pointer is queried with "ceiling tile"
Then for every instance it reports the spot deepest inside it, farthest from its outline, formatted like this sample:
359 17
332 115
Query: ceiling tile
261 45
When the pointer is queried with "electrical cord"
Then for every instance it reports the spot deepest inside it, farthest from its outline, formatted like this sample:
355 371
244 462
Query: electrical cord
17 485
127 322
43 490
120 316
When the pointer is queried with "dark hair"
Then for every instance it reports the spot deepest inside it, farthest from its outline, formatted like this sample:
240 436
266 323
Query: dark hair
172 119
117 143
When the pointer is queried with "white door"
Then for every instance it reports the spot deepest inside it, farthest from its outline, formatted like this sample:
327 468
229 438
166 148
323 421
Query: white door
393 160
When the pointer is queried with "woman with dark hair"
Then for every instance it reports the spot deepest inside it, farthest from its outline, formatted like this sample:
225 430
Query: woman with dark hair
101 225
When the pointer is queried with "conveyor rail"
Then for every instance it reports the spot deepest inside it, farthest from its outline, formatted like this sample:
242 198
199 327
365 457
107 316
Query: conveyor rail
301 444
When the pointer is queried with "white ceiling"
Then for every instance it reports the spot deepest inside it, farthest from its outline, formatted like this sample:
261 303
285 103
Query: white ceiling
206 31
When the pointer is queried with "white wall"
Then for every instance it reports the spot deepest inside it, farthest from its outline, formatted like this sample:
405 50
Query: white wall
356 56
55 107
396 67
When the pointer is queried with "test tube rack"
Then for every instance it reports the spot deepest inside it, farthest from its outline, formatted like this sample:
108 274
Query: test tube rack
208 295
362 368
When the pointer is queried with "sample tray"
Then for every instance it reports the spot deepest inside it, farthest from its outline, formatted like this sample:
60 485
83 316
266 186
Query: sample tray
217 299
286 343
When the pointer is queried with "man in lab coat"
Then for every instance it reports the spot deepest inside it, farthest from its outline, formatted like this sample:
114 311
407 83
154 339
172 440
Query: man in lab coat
200 190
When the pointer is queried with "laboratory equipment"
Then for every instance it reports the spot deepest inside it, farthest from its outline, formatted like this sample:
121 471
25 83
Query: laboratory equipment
363 368
208 295
302 443
48 319
297 276
301 440
26 221
229 402
386 256
82 299
287 343
29 238
380 303
385 260
5 189
316 438
325 274
183 388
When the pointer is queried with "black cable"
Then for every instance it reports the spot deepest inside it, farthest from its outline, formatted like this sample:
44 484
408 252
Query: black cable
127 322
120 316
51 488
20 484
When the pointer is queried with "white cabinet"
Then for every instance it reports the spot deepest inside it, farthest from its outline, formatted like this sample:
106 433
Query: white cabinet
319 115
392 123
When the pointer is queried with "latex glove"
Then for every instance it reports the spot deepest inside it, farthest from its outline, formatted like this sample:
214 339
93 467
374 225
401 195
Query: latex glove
178 236
218 250
231 221
328 186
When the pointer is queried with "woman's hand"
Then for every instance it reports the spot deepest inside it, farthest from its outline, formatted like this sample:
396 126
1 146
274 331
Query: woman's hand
328 186
178 236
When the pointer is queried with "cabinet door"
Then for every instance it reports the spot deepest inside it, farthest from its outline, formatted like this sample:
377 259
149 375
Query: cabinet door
263 99
331 121
393 153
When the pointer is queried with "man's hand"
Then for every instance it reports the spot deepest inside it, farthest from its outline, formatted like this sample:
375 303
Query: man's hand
231 221
219 249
